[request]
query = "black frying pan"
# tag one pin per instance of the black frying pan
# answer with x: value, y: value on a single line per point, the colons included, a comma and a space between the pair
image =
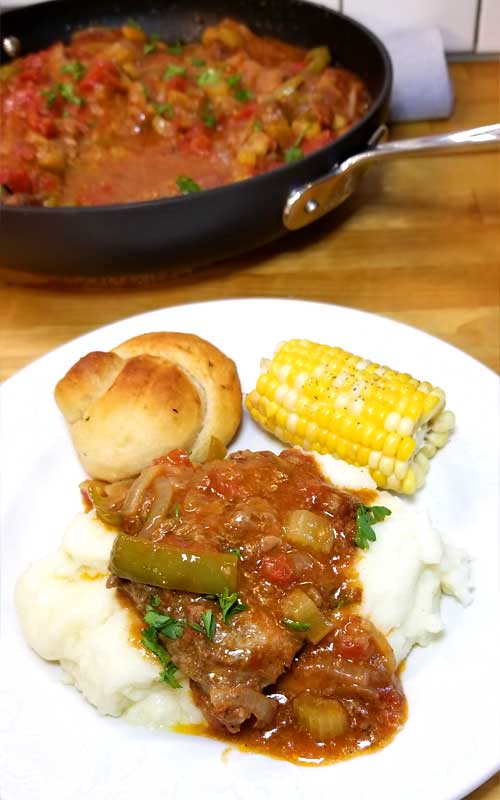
x: 195, y: 229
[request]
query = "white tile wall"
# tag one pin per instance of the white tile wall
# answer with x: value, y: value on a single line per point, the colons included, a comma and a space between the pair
x: 455, y: 18
x: 489, y: 27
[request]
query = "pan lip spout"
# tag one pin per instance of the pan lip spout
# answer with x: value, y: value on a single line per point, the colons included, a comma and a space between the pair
x: 376, y: 113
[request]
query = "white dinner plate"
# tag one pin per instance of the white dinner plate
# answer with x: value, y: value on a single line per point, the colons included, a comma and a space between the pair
x: 54, y: 746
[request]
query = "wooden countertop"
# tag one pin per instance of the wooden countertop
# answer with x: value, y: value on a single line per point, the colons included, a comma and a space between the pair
x: 420, y: 243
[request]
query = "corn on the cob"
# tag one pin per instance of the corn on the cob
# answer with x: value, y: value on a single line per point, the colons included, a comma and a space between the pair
x: 325, y: 399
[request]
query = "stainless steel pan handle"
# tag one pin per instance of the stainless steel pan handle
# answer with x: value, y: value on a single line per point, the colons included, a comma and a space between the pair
x: 313, y: 200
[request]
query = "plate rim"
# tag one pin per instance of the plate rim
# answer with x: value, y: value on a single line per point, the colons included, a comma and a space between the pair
x: 250, y: 300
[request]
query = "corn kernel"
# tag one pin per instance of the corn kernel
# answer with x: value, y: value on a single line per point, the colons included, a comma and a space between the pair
x: 437, y: 439
x: 409, y: 484
x: 406, y: 426
x: 392, y: 421
x: 379, y: 478
x: 363, y: 456
x: 281, y: 417
x: 445, y: 421
x: 400, y: 469
x: 391, y: 444
x: 386, y: 465
x: 378, y: 439
x: 393, y: 483
x: 406, y: 449
x: 428, y: 450
x: 342, y: 447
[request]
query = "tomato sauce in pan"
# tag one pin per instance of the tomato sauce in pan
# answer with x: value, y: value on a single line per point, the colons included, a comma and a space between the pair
x: 118, y: 115
x: 296, y: 672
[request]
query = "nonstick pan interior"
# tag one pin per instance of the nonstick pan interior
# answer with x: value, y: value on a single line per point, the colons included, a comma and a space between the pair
x: 221, y: 222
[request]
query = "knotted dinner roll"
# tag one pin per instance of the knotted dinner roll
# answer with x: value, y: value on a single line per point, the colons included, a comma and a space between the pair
x: 151, y: 394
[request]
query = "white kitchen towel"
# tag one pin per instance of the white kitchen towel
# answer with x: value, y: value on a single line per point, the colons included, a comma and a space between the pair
x: 422, y: 87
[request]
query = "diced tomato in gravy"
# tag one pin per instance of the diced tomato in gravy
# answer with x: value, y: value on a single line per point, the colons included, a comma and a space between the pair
x: 278, y: 569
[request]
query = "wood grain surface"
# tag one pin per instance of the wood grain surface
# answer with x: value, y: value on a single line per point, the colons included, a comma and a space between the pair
x: 419, y: 243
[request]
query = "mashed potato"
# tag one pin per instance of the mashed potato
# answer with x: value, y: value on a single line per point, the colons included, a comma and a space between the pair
x: 68, y: 615
x: 406, y: 569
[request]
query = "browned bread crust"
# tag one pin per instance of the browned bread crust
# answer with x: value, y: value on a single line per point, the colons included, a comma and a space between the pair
x: 153, y: 393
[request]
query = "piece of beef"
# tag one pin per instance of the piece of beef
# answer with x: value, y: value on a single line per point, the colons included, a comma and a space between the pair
x: 249, y: 652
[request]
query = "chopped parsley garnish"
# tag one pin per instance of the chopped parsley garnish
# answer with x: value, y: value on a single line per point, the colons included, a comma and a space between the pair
x: 74, y: 68
x: 294, y: 153
x: 209, y: 118
x: 294, y: 625
x: 64, y: 90
x: 366, y: 516
x: 230, y: 604
x: 197, y: 62
x: 236, y: 551
x: 67, y: 91
x: 243, y: 95
x: 154, y: 602
x: 131, y: 23
x: 150, y: 46
x: 164, y: 109
x: 177, y: 509
x: 187, y: 185
x: 208, y: 76
x: 207, y: 625
x: 151, y: 642
x: 173, y: 71
x: 177, y: 48
x: 234, y: 80
x: 257, y: 126
x: 167, y: 674
x: 168, y: 626
x: 51, y: 95
x: 147, y: 93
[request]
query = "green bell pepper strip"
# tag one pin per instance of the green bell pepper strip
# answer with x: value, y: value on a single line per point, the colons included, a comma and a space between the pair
x: 173, y: 567
x: 101, y: 504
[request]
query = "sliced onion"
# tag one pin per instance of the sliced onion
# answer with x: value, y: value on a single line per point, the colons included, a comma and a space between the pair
x: 297, y: 606
x: 305, y: 529
x: 324, y: 717
x: 233, y: 706
x: 117, y: 491
x: 136, y: 492
x: 345, y: 678
x: 384, y: 647
x: 163, y: 493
